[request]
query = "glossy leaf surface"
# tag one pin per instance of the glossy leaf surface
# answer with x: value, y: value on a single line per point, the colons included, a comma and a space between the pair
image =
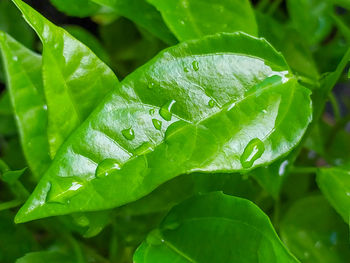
x: 335, y: 185
x: 143, y: 14
x: 194, y: 19
x: 73, y: 76
x: 23, y: 70
x: 315, y: 233
x: 224, y: 102
x: 236, y: 227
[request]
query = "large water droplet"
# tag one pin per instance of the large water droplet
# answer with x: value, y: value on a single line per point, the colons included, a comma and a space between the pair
x: 195, y: 65
x: 211, y: 103
x: 63, y: 196
x: 155, y: 238
x: 165, y: 110
x: 157, y: 124
x: 252, y: 152
x: 282, y: 168
x: 129, y: 134
x: 144, y: 149
x: 106, y: 167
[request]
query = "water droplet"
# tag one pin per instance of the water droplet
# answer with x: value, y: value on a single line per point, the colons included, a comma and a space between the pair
x: 252, y: 152
x: 155, y: 238
x: 211, y: 103
x: 282, y: 168
x: 45, y: 107
x: 106, y: 167
x: 15, y: 58
x: 334, y: 238
x: 63, y: 196
x: 151, y: 85
x: 264, y: 111
x: 195, y: 65
x: 165, y: 110
x: 186, y: 69
x: 157, y: 124
x: 152, y: 111
x: 172, y: 226
x: 129, y: 134
x: 81, y: 220
x: 144, y: 149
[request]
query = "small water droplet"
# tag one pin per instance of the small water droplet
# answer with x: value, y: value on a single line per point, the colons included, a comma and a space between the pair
x: 106, y: 167
x: 155, y: 238
x: 334, y: 238
x: 144, y: 149
x: 264, y: 111
x: 282, y: 168
x: 129, y: 134
x: 81, y: 220
x: 63, y: 196
x: 56, y: 46
x: 151, y: 85
x: 165, y: 110
x: 157, y: 124
x: 252, y: 152
x: 211, y: 103
x: 195, y: 65
x: 45, y: 107
x: 186, y: 69
x: 15, y: 58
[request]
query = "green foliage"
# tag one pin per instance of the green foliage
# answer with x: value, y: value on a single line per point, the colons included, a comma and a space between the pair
x: 217, y: 139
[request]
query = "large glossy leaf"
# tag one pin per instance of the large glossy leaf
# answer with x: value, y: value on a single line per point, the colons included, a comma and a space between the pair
x: 315, y: 233
x: 214, y: 228
x: 23, y: 70
x: 223, y: 103
x: 7, y: 121
x: 75, y: 80
x: 335, y: 185
x: 143, y: 14
x: 197, y: 18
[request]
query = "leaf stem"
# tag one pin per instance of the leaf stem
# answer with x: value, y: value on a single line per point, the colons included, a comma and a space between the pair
x: 335, y: 106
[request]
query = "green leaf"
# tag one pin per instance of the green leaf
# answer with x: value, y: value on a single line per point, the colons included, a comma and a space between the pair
x: 143, y: 14
x: 290, y: 43
x: 315, y: 233
x: 46, y: 256
x: 335, y: 185
x: 311, y: 18
x: 23, y: 70
x: 214, y: 228
x: 73, y: 76
x: 89, y: 40
x: 79, y: 8
x: 225, y: 103
x: 197, y: 18
x: 15, y: 240
x: 12, y: 23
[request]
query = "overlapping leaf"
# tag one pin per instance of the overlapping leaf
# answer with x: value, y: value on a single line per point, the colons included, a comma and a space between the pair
x: 214, y: 228
x: 197, y: 18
